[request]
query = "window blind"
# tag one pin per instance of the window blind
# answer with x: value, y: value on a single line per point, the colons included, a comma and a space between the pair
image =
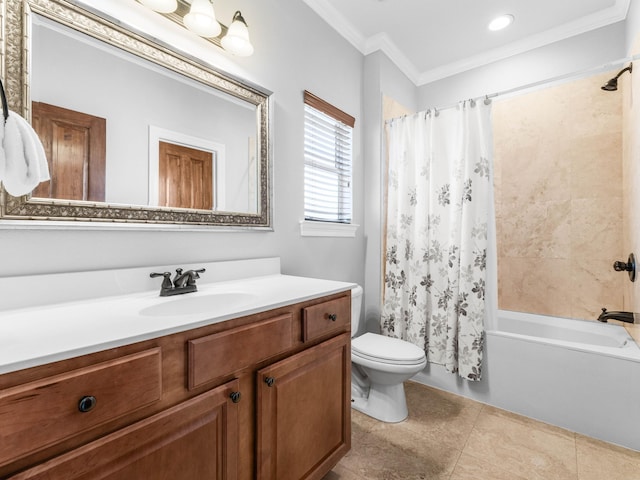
x: 327, y: 172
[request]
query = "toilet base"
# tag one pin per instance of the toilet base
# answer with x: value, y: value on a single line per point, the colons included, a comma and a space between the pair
x: 386, y: 403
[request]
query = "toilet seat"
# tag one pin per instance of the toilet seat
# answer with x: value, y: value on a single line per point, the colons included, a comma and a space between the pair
x: 392, y: 351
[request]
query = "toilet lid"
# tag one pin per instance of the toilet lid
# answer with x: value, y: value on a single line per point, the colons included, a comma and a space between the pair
x: 387, y: 349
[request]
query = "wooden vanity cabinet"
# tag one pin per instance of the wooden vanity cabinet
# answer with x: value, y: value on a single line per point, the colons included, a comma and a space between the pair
x: 303, y: 412
x: 197, y: 439
x: 195, y: 405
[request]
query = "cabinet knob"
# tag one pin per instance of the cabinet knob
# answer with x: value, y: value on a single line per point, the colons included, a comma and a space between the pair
x: 87, y: 403
x: 333, y: 317
x: 235, y: 397
x: 269, y: 381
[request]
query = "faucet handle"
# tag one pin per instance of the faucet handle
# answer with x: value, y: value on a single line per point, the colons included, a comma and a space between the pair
x: 194, y: 276
x: 166, y: 283
x: 196, y: 272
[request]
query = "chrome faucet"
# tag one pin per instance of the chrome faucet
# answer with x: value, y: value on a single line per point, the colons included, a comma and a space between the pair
x: 622, y: 316
x: 183, y: 282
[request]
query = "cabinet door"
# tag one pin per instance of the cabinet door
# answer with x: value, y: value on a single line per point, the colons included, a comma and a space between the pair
x: 304, y: 412
x: 197, y: 439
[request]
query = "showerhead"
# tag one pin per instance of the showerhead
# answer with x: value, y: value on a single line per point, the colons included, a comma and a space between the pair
x: 612, y: 85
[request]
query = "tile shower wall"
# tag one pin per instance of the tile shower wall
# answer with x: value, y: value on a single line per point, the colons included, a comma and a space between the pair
x: 559, y: 199
x: 630, y: 87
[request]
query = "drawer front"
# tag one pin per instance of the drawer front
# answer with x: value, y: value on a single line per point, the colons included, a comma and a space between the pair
x: 194, y: 440
x: 39, y: 414
x: 326, y: 317
x: 215, y: 356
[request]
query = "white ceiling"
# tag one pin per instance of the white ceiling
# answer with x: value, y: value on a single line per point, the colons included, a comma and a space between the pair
x: 430, y: 39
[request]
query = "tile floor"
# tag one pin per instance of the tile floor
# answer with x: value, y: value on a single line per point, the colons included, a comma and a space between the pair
x: 450, y: 437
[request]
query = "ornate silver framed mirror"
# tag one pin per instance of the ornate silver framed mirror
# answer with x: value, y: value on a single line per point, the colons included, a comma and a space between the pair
x: 60, y: 57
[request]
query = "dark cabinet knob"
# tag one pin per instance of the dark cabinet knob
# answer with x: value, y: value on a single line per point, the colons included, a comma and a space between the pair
x: 87, y: 403
x: 269, y: 381
x: 235, y: 397
x: 333, y: 317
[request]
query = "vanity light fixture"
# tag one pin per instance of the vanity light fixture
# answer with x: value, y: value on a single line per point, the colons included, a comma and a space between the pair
x: 501, y: 22
x: 199, y: 17
x: 236, y: 41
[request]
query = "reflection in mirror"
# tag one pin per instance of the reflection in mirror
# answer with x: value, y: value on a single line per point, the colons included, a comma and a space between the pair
x: 131, y: 139
x: 135, y: 98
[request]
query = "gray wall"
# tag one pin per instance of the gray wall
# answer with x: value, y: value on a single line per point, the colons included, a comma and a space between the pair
x: 382, y: 78
x: 574, y: 54
x: 633, y: 25
x: 294, y: 50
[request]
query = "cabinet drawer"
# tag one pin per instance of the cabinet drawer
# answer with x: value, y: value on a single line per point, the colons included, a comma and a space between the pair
x: 215, y: 356
x: 196, y: 439
x: 326, y: 317
x: 39, y: 414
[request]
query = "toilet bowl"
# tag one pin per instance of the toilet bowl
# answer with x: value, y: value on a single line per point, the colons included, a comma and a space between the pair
x: 379, y: 366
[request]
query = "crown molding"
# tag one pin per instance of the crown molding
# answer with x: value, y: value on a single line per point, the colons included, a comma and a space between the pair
x: 614, y: 14
x: 336, y: 20
x: 382, y: 42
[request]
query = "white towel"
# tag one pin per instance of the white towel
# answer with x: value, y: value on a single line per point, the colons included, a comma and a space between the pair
x: 23, y: 163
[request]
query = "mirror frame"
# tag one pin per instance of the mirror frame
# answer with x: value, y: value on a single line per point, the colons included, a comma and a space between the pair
x: 15, y: 34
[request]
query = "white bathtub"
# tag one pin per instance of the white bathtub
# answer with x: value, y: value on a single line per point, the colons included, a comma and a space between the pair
x: 577, y: 374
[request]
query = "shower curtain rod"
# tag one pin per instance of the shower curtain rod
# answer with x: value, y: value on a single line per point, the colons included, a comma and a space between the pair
x: 549, y: 81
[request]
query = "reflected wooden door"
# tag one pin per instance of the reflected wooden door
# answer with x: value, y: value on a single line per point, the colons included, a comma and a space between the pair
x: 75, y: 145
x: 185, y: 177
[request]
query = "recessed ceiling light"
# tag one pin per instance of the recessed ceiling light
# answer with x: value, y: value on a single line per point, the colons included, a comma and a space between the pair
x: 503, y: 21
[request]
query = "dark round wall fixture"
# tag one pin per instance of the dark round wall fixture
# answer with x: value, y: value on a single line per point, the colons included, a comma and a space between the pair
x: 629, y: 266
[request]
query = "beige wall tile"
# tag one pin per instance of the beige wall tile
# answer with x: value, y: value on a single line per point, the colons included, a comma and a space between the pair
x: 595, y: 285
x: 630, y: 92
x: 596, y: 228
x: 559, y: 198
x: 596, y: 169
x: 535, y: 285
x: 535, y: 230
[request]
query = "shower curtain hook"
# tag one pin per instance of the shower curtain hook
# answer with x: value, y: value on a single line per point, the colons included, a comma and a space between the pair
x: 487, y: 100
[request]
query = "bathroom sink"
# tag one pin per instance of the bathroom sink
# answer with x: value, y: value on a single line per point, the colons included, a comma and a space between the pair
x: 197, y: 304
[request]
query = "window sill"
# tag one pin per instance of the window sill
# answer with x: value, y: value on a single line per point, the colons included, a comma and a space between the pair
x: 309, y: 228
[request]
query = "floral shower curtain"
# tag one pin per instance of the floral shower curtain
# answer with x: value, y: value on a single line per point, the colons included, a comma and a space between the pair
x: 440, y: 218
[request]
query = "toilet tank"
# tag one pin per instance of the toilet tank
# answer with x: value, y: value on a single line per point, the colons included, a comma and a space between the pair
x: 356, y: 304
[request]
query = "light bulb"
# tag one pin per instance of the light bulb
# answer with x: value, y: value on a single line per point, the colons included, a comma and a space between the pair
x: 201, y: 19
x: 236, y: 41
x: 161, y: 6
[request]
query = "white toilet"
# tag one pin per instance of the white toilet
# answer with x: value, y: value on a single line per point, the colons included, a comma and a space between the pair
x: 379, y: 366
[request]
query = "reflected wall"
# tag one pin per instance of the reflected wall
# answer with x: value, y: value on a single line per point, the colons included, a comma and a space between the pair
x: 76, y: 72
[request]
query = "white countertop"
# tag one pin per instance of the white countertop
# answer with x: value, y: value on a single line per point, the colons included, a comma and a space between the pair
x: 47, y: 333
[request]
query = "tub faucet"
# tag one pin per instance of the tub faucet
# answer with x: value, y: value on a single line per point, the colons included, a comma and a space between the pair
x: 622, y: 316
x: 183, y: 282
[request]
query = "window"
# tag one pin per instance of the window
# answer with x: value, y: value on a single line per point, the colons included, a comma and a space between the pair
x: 328, y: 134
